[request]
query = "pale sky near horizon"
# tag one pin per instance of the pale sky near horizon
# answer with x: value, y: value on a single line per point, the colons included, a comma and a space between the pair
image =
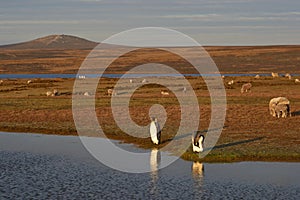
x: 210, y: 22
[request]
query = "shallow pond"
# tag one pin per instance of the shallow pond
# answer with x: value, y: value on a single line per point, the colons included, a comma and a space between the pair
x: 35, y: 166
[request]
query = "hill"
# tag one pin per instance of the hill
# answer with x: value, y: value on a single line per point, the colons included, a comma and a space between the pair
x: 65, y: 54
x: 63, y: 42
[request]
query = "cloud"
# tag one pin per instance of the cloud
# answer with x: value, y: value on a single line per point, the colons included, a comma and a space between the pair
x: 35, y: 22
x: 206, y: 17
x: 87, y: 1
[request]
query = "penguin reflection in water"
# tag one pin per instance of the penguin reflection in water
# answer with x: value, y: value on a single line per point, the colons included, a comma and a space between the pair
x: 155, y: 131
x: 197, y: 142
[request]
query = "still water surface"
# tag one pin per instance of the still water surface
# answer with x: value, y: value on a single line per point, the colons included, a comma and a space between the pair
x: 37, y: 166
x: 27, y: 76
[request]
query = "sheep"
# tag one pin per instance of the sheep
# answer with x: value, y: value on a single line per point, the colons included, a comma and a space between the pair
x: 55, y: 93
x: 164, y: 92
x: 48, y: 93
x: 274, y: 75
x: 223, y: 77
x: 184, y: 89
x: 246, y: 87
x: 144, y: 81
x: 29, y: 81
x: 287, y: 75
x: 111, y: 92
x: 297, y: 80
x: 257, y: 76
x: 230, y: 82
x: 279, y: 101
x: 130, y: 81
x: 1, y: 81
x: 281, y: 110
x: 87, y: 94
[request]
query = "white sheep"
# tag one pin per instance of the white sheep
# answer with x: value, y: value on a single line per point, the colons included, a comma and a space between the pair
x: 231, y: 82
x: 164, y: 92
x: 246, y: 87
x: 287, y: 75
x: 274, y: 75
x: 279, y: 101
x: 281, y: 110
x: 111, y: 92
x: 87, y: 94
x: 49, y: 93
x: 55, y: 93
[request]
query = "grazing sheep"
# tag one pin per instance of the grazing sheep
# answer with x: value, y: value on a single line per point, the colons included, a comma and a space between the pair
x: 184, y: 89
x: 274, y: 75
x: 87, y: 94
x: 257, y: 76
x: 223, y: 77
x: 1, y: 81
x: 246, y: 87
x: 55, y: 93
x: 230, y: 82
x: 164, y: 92
x: 130, y: 81
x: 29, y: 81
x: 279, y: 101
x: 144, y: 81
x: 49, y: 93
x: 111, y: 92
x: 297, y: 80
x: 281, y: 110
x: 287, y: 75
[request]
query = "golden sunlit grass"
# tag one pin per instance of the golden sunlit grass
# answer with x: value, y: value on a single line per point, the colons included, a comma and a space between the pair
x: 249, y: 133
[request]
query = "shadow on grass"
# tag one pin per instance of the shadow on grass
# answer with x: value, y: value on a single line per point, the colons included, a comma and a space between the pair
x: 296, y: 113
x: 191, y: 135
x: 234, y: 143
x: 120, y: 93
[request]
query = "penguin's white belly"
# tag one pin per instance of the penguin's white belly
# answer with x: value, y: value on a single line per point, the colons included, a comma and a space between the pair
x: 197, y: 149
x: 153, y: 133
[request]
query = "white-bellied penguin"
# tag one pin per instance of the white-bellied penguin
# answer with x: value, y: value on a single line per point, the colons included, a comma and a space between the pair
x: 197, y: 142
x: 155, y: 131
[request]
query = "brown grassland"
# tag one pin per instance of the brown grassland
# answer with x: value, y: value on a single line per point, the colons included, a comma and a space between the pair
x: 250, y: 133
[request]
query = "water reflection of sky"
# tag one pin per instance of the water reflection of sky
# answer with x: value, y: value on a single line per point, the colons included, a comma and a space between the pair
x: 35, y: 165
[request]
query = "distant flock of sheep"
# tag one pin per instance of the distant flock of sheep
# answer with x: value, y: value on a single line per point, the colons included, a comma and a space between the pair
x: 279, y: 106
x: 247, y: 86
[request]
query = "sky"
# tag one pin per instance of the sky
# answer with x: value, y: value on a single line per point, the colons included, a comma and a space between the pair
x: 209, y: 22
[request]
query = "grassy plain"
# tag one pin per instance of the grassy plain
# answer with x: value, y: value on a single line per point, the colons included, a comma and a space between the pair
x: 250, y: 133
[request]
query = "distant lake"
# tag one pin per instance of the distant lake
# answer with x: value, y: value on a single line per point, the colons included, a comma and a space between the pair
x: 31, y: 76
